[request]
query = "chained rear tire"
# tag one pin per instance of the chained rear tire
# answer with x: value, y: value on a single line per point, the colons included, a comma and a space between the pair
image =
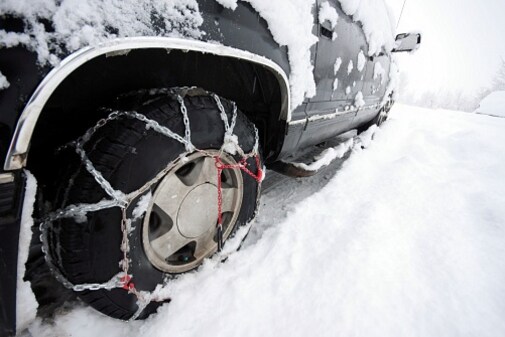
x: 128, y: 155
x: 380, y: 118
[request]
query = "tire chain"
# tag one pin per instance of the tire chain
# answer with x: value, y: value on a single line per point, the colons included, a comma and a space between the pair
x: 123, y: 200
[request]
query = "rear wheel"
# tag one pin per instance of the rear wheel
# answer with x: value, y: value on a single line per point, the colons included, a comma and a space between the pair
x: 172, y: 224
x: 380, y: 118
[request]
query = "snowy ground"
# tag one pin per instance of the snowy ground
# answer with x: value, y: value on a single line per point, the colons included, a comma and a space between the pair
x: 403, y: 238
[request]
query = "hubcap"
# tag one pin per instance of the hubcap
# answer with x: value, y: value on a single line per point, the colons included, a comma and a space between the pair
x: 179, y: 229
x: 197, y: 211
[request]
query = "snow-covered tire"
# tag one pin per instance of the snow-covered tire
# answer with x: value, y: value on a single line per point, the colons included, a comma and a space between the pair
x: 128, y: 155
x: 50, y: 294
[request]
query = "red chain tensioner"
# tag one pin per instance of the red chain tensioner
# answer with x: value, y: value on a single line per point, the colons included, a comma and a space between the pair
x: 242, y: 165
x: 127, y: 284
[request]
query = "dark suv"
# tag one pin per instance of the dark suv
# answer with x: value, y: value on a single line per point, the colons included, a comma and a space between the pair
x: 149, y: 144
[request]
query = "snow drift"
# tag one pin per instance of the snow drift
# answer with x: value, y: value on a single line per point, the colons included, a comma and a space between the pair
x: 493, y: 104
x: 405, y: 240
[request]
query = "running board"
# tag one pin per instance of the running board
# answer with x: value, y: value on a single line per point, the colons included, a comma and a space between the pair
x: 325, y: 158
x: 290, y: 169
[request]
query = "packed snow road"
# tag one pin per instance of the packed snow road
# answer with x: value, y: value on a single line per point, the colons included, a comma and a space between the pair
x: 405, y: 238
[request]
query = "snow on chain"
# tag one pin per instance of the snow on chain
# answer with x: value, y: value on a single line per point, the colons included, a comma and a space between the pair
x: 120, y: 199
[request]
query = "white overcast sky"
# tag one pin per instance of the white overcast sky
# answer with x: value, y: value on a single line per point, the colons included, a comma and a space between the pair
x: 463, y: 41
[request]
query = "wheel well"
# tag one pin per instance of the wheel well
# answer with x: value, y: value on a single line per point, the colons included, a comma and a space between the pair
x: 74, y: 105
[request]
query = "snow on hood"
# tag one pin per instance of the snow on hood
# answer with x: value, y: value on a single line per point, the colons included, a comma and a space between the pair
x: 493, y: 104
x: 80, y: 23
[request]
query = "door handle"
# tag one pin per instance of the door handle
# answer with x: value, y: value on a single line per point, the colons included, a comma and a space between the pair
x: 328, y: 33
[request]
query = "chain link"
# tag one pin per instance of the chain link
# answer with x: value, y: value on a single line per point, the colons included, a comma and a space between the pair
x: 152, y: 124
x: 187, y: 127
x: 233, y: 118
x: 223, y: 115
x: 122, y: 200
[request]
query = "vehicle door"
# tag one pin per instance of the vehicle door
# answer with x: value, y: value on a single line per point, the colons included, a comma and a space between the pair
x: 339, y: 70
x: 376, y: 78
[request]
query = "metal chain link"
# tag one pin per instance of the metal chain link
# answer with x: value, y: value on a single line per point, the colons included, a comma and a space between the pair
x: 223, y: 115
x: 233, y: 118
x: 230, y: 128
x: 187, y: 127
x: 152, y: 124
x: 122, y: 200
x: 107, y: 187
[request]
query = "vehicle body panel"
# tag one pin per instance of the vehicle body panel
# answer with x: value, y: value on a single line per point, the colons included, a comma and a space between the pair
x: 345, y: 46
x: 11, y: 199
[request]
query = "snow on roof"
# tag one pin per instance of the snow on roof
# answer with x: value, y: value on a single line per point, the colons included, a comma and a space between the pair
x: 493, y: 104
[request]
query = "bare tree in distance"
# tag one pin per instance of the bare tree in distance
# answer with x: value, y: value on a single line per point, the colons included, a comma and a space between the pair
x: 497, y: 84
x: 446, y: 98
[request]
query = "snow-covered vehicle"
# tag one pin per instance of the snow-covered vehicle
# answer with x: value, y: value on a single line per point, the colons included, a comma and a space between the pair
x: 147, y: 128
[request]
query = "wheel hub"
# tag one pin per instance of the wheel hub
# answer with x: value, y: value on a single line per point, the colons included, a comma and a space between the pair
x: 180, y: 226
x: 198, y: 211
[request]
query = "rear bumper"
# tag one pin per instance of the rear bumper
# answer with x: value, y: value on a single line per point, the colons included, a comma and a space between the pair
x: 11, y: 201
